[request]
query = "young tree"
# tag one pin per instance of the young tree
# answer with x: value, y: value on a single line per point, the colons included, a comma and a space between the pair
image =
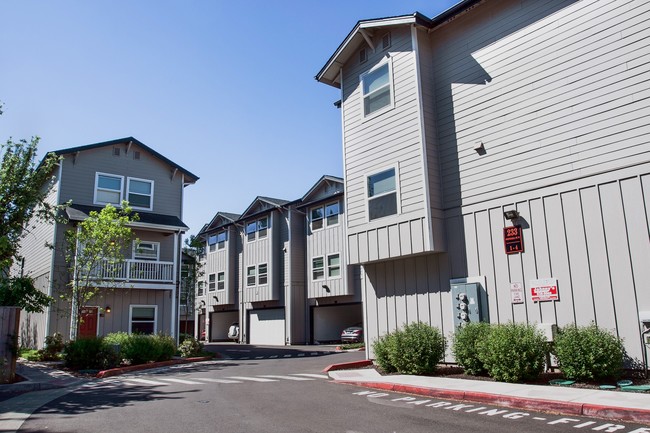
x: 191, y: 273
x: 95, y: 257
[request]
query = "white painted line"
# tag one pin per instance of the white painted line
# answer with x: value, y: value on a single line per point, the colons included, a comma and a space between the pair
x: 315, y: 376
x: 301, y: 354
x: 252, y: 379
x: 143, y: 381
x: 243, y: 358
x: 272, y: 376
x: 314, y: 353
x: 186, y: 382
x: 259, y: 357
x: 287, y: 356
x: 209, y: 379
x: 273, y: 356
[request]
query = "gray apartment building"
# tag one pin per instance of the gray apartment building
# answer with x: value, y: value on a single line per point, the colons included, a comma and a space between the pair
x: 497, y: 165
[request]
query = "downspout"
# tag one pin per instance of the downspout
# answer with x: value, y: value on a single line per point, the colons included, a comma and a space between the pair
x: 50, y: 289
x: 174, y: 314
x: 288, y: 295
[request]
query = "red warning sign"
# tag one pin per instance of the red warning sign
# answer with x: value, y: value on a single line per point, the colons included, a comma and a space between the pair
x: 544, y: 290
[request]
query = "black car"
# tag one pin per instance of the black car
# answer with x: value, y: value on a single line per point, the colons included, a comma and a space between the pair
x: 353, y: 334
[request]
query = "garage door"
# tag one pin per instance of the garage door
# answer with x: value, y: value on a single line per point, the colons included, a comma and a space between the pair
x: 266, y: 327
x: 329, y: 321
x: 219, y: 324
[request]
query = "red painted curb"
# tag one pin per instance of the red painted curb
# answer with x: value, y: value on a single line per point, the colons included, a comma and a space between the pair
x: 559, y: 407
x: 122, y: 370
x: 347, y: 365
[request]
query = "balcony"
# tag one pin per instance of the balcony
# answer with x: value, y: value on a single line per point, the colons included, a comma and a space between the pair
x: 136, y: 270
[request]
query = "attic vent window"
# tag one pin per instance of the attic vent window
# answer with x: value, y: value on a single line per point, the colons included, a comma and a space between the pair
x: 116, y: 151
x: 385, y: 41
x: 363, y: 55
x: 136, y: 154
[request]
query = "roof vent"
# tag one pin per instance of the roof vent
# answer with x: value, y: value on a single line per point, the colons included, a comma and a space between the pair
x: 363, y: 55
x: 136, y: 154
x: 116, y: 151
x: 385, y: 41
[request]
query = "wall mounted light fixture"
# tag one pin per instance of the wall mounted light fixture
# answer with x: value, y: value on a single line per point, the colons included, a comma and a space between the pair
x: 107, y: 309
x: 511, y: 214
x: 327, y: 289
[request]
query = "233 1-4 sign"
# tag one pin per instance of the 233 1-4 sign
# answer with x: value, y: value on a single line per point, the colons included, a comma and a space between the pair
x: 513, y: 239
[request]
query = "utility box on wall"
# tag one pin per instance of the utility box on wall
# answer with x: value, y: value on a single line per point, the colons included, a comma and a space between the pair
x: 468, y: 303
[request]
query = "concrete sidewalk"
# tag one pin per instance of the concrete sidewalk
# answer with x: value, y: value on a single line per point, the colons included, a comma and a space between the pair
x: 615, y: 405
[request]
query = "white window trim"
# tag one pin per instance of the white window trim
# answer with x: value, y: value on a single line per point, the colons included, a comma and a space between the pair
x: 97, y: 174
x: 311, y: 220
x: 136, y: 245
x: 224, y: 281
x: 327, y: 266
x: 391, y: 105
x: 266, y: 274
x: 397, y: 192
x: 257, y: 229
x: 155, y: 316
x: 254, y: 275
x: 325, y: 213
x: 254, y: 232
x: 128, y: 189
x: 323, y: 268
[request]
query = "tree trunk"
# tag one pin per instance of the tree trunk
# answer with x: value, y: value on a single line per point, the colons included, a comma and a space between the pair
x: 9, y: 326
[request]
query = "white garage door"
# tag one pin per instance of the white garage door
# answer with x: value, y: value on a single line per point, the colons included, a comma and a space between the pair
x: 329, y: 321
x: 219, y: 324
x: 266, y: 327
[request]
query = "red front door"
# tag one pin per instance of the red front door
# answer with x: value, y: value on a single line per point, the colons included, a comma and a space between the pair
x: 88, y: 322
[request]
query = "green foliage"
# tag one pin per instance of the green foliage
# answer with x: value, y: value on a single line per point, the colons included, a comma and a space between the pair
x: 30, y: 354
x: 589, y: 353
x: 54, y: 344
x: 350, y: 346
x: 190, y: 347
x: 90, y: 354
x: 21, y: 292
x: 465, y: 346
x: 95, y: 253
x: 117, y: 338
x: 513, y: 352
x: 140, y: 349
x: 383, y: 347
x: 417, y: 349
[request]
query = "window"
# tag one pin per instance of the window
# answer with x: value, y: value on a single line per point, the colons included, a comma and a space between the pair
x: 317, y: 218
x: 332, y: 213
x: 221, y: 240
x: 116, y: 151
x: 145, y: 250
x: 221, y: 281
x: 382, y: 195
x: 199, y: 288
x: 377, y: 89
x: 385, y: 41
x: 212, y: 243
x: 317, y: 271
x: 143, y: 319
x: 250, y: 231
x: 140, y: 193
x: 333, y: 265
x: 250, y: 276
x: 212, y: 282
x: 262, y: 274
x: 108, y: 189
x: 262, y: 227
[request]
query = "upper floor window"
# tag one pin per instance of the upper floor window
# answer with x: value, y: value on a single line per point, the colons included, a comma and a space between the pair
x: 108, y: 189
x: 212, y: 243
x: 317, y: 268
x: 334, y: 265
x: 140, y: 193
x: 199, y: 288
x: 332, y: 213
x: 376, y: 86
x: 212, y: 282
x: 262, y: 227
x: 221, y: 240
x: 262, y: 274
x: 221, y: 281
x: 257, y: 229
x: 251, y: 230
x: 317, y: 218
x: 328, y: 214
x: 250, y: 276
x: 382, y: 194
x: 145, y: 250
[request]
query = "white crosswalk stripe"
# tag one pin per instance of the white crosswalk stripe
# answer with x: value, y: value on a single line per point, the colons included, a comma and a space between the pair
x: 209, y: 379
x: 252, y: 379
x: 183, y: 381
x: 143, y: 381
x: 315, y: 376
x: 272, y: 376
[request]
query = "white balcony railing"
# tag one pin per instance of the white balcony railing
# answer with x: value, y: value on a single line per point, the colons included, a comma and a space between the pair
x: 136, y: 270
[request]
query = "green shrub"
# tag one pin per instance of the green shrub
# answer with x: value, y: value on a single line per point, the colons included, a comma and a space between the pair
x: 140, y: 349
x: 513, y: 352
x: 465, y: 346
x: 89, y: 354
x: 589, y: 353
x: 383, y: 347
x: 30, y: 354
x: 117, y: 338
x: 190, y: 347
x: 53, y: 346
x: 183, y: 336
x: 417, y: 349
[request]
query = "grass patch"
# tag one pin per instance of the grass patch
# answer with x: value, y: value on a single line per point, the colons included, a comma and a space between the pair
x: 30, y: 354
x: 350, y: 346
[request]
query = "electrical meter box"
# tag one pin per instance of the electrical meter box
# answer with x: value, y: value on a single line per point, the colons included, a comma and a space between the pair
x: 469, y: 303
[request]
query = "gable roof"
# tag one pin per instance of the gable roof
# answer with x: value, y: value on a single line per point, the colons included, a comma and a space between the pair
x: 189, y: 176
x: 307, y: 198
x: 274, y: 202
x: 228, y: 218
x: 362, y: 32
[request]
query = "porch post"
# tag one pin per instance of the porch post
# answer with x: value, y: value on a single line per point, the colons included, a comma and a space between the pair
x: 172, y: 331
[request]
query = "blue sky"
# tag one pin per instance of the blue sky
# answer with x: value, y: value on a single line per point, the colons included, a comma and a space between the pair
x: 226, y: 89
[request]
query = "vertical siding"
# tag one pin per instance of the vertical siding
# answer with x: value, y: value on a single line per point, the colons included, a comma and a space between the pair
x: 261, y: 251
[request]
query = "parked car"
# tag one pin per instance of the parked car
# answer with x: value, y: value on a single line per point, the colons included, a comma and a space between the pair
x: 353, y: 334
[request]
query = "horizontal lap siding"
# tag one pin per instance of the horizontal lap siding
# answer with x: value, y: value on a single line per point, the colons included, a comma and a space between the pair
x: 567, y: 95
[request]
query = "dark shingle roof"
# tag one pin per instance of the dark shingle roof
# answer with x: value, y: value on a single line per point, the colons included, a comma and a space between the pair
x: 79, y: 212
